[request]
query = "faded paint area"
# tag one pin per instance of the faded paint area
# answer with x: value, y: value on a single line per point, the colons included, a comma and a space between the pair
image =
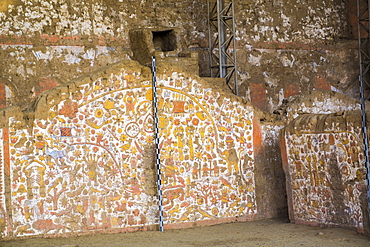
x: 291, y: 21
x: 284, y: 48
x: 318, y: 102
x: 325, y: 170
x: 90, y: 21
x: 87, y: 163
x: 273, y: 75
x: 46, y: 15
x: 29, y: 70
x: 290, y: 47
x: 48, y: 43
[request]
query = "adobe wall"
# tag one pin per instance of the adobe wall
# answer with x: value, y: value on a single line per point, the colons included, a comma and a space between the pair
x: 82, y: 158
x: 323, y: 159
x: 284, y: 47
x: 290, y: 47
x: 269, y: 176
x: 44, y: 43
x: 318, y: 102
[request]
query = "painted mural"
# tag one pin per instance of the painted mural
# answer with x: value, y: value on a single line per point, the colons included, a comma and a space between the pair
x: 207, y: 152
x: 327, y: 176
x: 90, y: 165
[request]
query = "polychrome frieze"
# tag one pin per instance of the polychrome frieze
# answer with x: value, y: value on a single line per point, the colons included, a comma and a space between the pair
x: 90, y: 165
x: 327, y: 177
x: 206, y: 152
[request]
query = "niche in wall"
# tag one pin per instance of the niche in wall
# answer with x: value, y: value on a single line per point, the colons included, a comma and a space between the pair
x: 164, y: 40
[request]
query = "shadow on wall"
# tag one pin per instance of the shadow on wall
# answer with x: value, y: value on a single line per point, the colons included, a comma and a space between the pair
x: 146, y: 42
x: 164, y: 41
x: 165, y: 45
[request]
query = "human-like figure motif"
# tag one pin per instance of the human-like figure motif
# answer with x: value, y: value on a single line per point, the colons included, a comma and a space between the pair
x: 40, y: 145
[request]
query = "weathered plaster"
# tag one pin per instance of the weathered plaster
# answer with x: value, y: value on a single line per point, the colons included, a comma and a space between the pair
x: 291, y: 21
x: 284, y: 52
x: 318, y: 102
x: 48, y: 43
x: 290, y: 47
x: 28, y: 70
x: 281, y: 73
x: 96, y: 21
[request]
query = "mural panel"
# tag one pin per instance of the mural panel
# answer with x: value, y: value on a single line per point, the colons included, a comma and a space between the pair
x: 90, y: 164
x: 83, y: 168
x: 206, y: 152
x: 327, y: 177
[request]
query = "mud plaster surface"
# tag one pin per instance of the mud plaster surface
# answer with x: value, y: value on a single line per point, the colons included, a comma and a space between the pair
x: 260, y: 233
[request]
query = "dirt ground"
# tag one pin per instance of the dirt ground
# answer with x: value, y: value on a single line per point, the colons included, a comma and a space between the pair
x: 260, y: 233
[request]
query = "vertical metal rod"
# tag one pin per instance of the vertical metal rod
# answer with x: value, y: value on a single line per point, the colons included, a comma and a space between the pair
x: 222, y: 38
x: 236, y: 91
x: 210, y: 46
x: 362, y: 94
x: 364, y: 116
x: 157, y: 150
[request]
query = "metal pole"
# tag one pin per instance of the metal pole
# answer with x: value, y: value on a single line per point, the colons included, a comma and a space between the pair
x: 236, y: 91
x: 158, y: 161
x: 210, y: 40
x: 362, y: 59
x: 222, y: 38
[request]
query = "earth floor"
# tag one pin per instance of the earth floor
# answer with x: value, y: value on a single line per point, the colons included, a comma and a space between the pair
x: 259, y: 233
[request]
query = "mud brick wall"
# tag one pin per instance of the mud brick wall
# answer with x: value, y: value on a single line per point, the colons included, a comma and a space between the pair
x: 45, y: 43
x: 289, y: 47
x: 284, y: 47
x: 82, y: 161
x: 326, y: 177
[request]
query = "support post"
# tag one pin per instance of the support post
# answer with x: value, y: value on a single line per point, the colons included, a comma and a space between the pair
x: 222, y: 43
x: 364, y: 62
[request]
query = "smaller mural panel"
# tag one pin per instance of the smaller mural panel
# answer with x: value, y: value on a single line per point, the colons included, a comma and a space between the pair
x: 327, y: 177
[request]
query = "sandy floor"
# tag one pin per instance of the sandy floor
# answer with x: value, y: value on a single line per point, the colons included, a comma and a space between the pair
x: 260, y: 233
